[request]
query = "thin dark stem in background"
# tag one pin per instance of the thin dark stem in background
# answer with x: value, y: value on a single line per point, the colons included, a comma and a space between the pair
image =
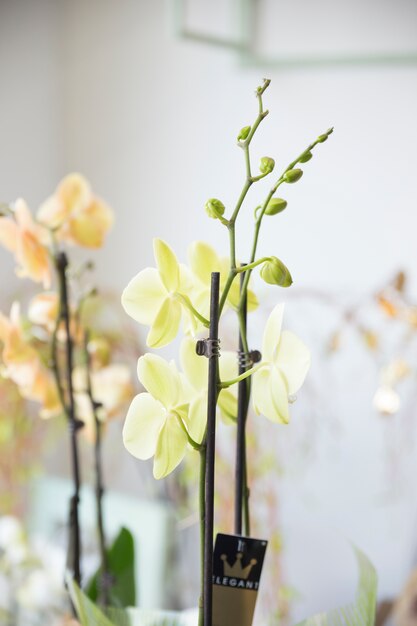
x: 105, y: 581
x: 213, y: 370
x: 68, y: 405
x: 242, y: 409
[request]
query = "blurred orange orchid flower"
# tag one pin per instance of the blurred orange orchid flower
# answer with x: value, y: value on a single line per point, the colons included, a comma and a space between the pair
x: 26, y: 240
x: 24, y: 367
x: 76, y: 215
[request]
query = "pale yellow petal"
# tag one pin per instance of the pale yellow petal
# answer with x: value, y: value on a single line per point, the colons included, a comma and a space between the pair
x: 171, y: 448
x: 293, y: 360
x: 166, y: 324
x: 197, y: 417
x: 203, y: 260
x: 167, y: 264
x: 186, y: 280
x: 227, y: 404
x: 270, y: 395
x: 160, y: 379
x: 194, y: 367
x: 143, y: 424
x: 228, y: 365
x: 279, y: 395
x: 272, y: 333
x: 253, y: 301
x: 144, y: 296
x: 233, y: 296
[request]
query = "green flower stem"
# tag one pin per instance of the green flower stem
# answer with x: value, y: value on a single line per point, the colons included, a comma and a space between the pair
x: 228, y: 383
x: 191, y: 441
x: 185, y: 300
x: 258, y: 221
x: 105, y: 581
x: 251, y: 266
x: 248, y: 182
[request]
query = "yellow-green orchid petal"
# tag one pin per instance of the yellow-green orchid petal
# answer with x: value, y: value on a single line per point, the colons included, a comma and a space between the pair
x: 165, y: 325
x: 170, y: 449
x: 272, y: 333
x: 167, y: 265
x: 144, y: 295
x: 279, y: 395
x: 194, y: 367
x: 197, y: 417
x: 252, y: 300
x: 292, y: 358
x: 234, y: 293
x: 261, y: 394
x: 160, y: 379
x: 185, y: 279
x: 233, y: 297
x: 228, y: 365
x: 227, y: 404
x: 203, y: 260
x: 144, y: 421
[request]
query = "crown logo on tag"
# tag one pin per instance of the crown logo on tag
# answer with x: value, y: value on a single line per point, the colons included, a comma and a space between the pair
x: 237, y: 570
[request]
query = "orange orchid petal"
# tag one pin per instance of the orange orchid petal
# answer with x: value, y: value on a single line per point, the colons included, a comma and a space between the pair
x: 89, y: 227
x: 33, y: 259
x: 8, y: 234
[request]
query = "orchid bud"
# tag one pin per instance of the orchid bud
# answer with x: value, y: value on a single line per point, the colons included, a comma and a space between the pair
x: 325, y: 136
x: 275, y: 205
x: 266, y: 165
x: 306, y: 156
x: 214, y: 208
x: 293, y: 175
x: 274, y: 272
x: 244, y: 132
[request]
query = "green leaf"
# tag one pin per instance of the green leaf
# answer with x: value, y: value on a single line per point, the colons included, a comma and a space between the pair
x: 362, y: 611
x: 121, y: 562
x: 87, y: 612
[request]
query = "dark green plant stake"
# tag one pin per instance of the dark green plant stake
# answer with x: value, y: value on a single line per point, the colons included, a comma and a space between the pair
x: 241, y: 466
x: 212, y: 352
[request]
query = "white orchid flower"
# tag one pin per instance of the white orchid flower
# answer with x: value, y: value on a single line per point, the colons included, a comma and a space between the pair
x: 195, y: 368
x: 157, y: 297
x: 157, y: 421
x: 285, y: 363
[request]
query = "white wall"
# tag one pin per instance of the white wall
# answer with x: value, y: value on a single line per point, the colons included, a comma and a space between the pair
x: 31, y: 115
x: 104, y: 88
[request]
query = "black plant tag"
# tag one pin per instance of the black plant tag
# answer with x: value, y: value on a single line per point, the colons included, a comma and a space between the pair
x: 237, y: 567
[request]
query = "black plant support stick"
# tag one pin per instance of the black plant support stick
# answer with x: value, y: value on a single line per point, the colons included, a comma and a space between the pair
x: 105, y: 580
x: 242, y: 408
x: 74, y: 544
x: 213, y: 355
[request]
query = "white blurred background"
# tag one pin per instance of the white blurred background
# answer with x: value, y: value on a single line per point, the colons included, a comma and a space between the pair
x: 110, y: 88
